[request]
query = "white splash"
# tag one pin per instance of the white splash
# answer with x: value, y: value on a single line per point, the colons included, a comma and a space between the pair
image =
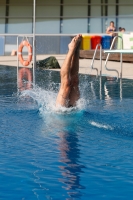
x: 46, y: 101
x: 101, y: 125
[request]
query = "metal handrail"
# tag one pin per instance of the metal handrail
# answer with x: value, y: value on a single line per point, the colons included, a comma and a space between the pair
x: 120, y: 58
x: 92, y: 62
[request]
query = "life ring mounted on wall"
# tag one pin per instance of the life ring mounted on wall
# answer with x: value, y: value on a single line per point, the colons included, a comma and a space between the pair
x: 20, y: 49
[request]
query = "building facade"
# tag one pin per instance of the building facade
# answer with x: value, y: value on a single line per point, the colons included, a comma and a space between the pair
x: 64, y: 16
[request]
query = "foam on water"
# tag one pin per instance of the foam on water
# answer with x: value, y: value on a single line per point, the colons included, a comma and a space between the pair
x: 99, y: 125
x: 46, y: 99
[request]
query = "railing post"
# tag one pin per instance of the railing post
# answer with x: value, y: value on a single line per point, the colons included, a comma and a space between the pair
x: 109, y: 55
x: 92, y: 62
x: 34, y: 41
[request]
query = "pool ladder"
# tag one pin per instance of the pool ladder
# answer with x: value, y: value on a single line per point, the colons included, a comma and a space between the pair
x: 105, y: 65
x: 120, y: 57
x: 92, y: 62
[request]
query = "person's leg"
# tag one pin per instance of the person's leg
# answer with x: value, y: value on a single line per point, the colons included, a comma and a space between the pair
x: 65, y: 88
x: 74, y: 93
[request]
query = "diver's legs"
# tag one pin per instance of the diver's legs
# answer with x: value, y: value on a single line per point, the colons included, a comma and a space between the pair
x: 75, y: 94
x: 65, y: 88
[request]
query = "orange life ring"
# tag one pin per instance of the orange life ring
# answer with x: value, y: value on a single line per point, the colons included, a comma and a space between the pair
x: 24, y: 73
x: 20, y: 48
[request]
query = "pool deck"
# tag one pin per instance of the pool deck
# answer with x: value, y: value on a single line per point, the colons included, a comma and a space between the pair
x: 83, y: 63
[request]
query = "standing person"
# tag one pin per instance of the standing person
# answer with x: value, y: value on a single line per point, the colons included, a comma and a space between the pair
x: 69, y: 90
x: 111, y: 29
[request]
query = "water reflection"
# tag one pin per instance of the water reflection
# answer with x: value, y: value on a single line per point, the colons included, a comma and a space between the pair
x: 100, y: 87
x: 113, y: 89
x: 121, y: 89
x: 24, y: 78
x: 70, y: 164
x: 107, y: 96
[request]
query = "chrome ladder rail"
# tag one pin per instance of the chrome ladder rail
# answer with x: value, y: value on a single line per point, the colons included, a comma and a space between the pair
x: 92, y: 62
x: 120, y: 58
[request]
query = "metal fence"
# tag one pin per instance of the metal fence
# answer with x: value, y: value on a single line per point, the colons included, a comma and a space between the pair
x: 44, y: 44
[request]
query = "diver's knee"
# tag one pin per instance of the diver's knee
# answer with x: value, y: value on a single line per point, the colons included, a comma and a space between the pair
x: 67, y: 84
x: 63, y: 73
x: 75, y: 81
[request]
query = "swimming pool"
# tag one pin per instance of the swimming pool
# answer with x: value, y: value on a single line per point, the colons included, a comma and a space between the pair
x: 85, y: 153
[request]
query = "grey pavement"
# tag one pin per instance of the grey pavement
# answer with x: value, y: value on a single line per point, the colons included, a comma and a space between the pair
x: 83, y: 63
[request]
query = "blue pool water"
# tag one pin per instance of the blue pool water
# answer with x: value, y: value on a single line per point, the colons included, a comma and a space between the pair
x: 83, y: 153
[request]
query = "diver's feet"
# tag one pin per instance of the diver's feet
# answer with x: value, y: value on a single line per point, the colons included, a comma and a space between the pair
x: 79, y: 44
x: 75, y: 43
